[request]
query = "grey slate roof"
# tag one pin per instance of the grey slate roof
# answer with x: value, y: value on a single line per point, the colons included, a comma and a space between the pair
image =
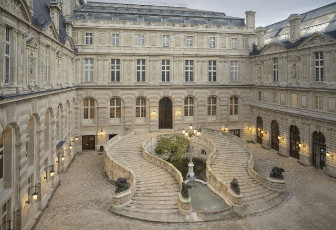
x: 42, y: 18
x: 150, y: 13
x: 321, y: 20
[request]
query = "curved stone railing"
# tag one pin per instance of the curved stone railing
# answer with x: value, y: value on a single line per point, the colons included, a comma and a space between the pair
x: 217, y: 183
x: 273, y: 184
x: 114, y: 171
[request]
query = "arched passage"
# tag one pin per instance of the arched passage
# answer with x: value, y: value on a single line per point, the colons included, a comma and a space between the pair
x: 275, y: 135
x: 165, y: 113
x: 259, y: 130
x: 319, y: 150
x: 294, y: 141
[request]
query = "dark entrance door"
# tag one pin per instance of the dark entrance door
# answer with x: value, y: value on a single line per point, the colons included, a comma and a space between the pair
x: 274, y: 135
x: 89, y: 142
x: 319, y: 150
x: 259, y: 130
x: 294, y: 141
x: 165, y: 113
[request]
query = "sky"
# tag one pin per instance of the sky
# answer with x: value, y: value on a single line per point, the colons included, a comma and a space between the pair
x: 267, y: 11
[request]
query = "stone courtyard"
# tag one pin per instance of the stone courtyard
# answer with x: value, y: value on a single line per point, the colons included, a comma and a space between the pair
x: 84, y: 198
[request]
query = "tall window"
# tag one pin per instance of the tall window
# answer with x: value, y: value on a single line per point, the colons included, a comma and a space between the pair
x: 259, y: 95
x: 233, y: 105
x: 294, y: 100
x: 141, y: 69
x: 7, y: 56
x: 1, y: 159
x: 318, y: 103
x: 141, y: 40
x: 234, y: 71
x: 88, y: 39
x: 165, y: 70
x: 212, y: 70
x: 189, y: 41
x: 234, y: 43
x: 115, y: 69
x: 319, y: 73
x: 115, y: 108
x: 212, y: 103
x: 47, y: 65
x: 189, y: 70
x: 212, y: 42
x: 88, y: 69
x: 89, y: 112
x: 275, y: 69
x: 140, y: 107
x: 165, y: 40
x: 189, y: 107
x: 115, y: 39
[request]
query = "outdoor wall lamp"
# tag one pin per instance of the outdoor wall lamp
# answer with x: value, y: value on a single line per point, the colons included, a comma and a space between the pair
x: 76, y: 138
x: 153, y: 113
x: 178, y: 113
x: 190, y: 126
x: 70, y: 146
x: 5, y: 222
x: 62, y: 158
x: 101, y: 131
x: 34, y: 195
x: 51, y: 172
x: 249, y: 127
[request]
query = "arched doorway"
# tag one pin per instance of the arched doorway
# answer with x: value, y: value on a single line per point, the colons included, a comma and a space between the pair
x: 165, y: 113
x: 294, y: 141
x: 274, y: 135
x: 319, y: 150
x: 259, y: 130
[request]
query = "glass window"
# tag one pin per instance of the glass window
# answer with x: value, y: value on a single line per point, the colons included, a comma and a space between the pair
x: 212, y: 42
x: 115, y: 108
x: 189, y: 41
x: 88, y: 69
x: 89, y: 112
x: 189, y: 70
x: 234, y: 105
x: 141, y: 40
x: 165, y: 40
x: 212, y: 70
x: 234, y: 43
x: 234, y: 71
x: 115, y: 39
x: 47, y: 65
x: 7, y: 55
x: 141, y: 69
x: 275, y: 70
x: 319, y: 70
x: 165, y: 70
x: 88, y: 39
x: 212, y: 105
x: 115, y: 69
x: 189, y: 107
x: 140, y: 107
x: 318, y: 103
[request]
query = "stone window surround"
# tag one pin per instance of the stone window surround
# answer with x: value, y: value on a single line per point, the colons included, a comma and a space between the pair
x: 234, y: 71
x: 212, y: 70
x: 275, y: 70
x: 189, y: 70
x: 7, y: 56
x: 115, y: 70
x: 165, y: 71
x: 88, y: 38
x: 88, y: 70
x: 189, y: 103
x: 319, y: 66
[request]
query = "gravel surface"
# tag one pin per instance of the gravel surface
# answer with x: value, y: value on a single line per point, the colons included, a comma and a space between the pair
x: 83, y: 200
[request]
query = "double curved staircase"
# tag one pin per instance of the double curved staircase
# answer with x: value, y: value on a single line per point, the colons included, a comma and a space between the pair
x: 157, y: 190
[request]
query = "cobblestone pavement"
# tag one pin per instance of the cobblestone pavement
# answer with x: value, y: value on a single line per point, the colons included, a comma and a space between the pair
x: 83, y: 199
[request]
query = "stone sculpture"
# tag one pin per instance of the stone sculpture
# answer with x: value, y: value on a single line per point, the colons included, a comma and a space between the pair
x: 122, y: 185
x: 235, y: 186
x: 277, y: 173
x: 184, y: 191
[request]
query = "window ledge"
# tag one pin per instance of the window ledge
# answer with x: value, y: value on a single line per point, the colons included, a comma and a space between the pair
x: 189, y: 83
x: 89, y: 83
x: 141, y: 83
x: 165, y: 83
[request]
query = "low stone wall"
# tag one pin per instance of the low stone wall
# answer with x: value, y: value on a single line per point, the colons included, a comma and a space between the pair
x: 273, y: 184
x: 114, y: 171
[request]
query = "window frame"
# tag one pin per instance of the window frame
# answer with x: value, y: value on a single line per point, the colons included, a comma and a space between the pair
x: 115, y: 108
x: 140, y: 107
x: 234, y: 43
x: 7, y: 56
x: 189, y: 70
x: 189, y: 103
x: 165, y: 40
x: 318, y: 102
x: 88, y: 70
x: 115, y: 70
x: 47, y: 65
x: 212, y: 106
x: 165, y: 71
x: 234, y: 106
x: 212, y: 42
x: 275, y: 69
x: 141, y: 70
x: 90, y: 108
x: 115, y: 39
x: 189, y: 41
x: 295, y: 100
x: 89, y: 38
x: 141, y: 40
x: 234, y: 71
x: 319, y: 66
x: 212, y: 70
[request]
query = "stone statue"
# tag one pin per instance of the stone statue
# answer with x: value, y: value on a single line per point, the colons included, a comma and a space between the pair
x: 122, y: 185
x: 235, y: 186
x: 277, y: 173
x: 184, y: 191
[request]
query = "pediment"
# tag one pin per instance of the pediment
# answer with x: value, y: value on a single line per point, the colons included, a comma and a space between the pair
x: 51, y: 32
x: 317, y: 40
x: 273, y: 48
x: 19, y: 8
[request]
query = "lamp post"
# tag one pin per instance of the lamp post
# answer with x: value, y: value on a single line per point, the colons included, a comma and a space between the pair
x: 190, y: 134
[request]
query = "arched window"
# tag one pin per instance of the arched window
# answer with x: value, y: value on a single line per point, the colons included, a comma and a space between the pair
x: 6, y: 154
x: 189, y: 106
x: 140, y: 107
x: 212, y: 105
x: 115, y: 108
x: 47, y: 132
x: 89, y: 112
x: 234, y: 105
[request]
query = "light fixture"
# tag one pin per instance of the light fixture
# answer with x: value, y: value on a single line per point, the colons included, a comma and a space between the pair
x: 328, y: 154
x: 70, y: 147
x: 190, y: 126
x: 300, y: 145
x: 52, y: 171
x: 248, y: 127
x: 198, y: 133
x: 195, y: 131
x: 178, y: 113
x: 76, y: 138
x: 279, y: 137
x: 153, y: 113
x: 183, y: 131
x: 262, y: 131
x: 63, y: 158
x: 186, y: 134
x: 101, y: 131
x: 34, y: 195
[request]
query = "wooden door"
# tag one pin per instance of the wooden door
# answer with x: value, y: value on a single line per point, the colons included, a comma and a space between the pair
x: 259, y: 130
x: 89, y: 142
x: 165, y: 113
x: 274, y: 135
x: 294, y: 142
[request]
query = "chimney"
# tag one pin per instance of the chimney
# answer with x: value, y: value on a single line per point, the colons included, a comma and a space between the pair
x: 54, y: 13
x: 250, y: 19
x: 260, y: 37
x: 294, y: 27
